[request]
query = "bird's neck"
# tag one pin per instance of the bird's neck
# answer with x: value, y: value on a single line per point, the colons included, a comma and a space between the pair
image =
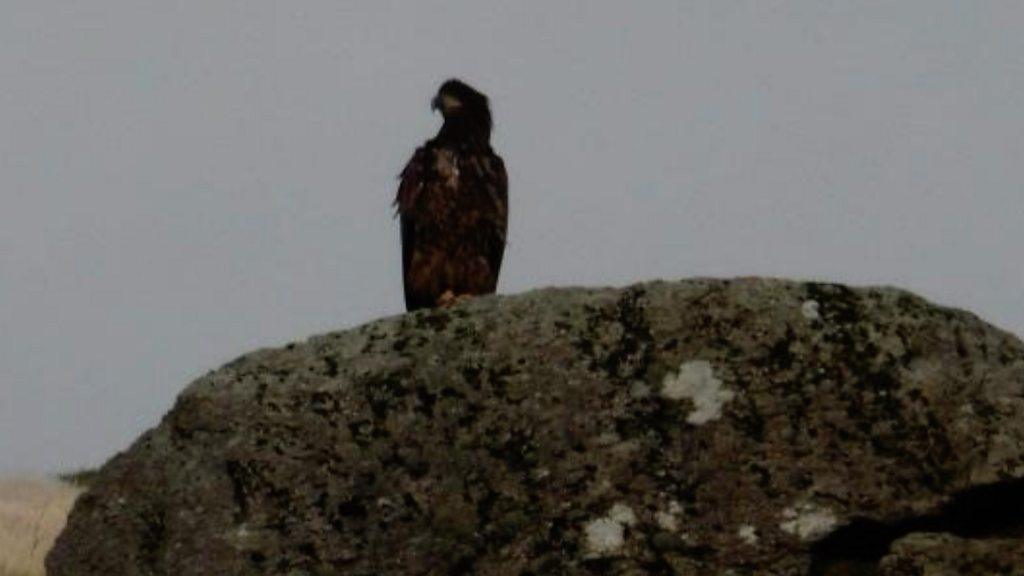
x: 465, y: 131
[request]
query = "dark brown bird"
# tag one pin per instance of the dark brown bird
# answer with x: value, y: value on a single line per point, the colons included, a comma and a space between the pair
x: 453, y: 205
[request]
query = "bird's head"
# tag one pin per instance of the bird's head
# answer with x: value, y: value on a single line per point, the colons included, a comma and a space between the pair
x: 467, y: 116
x: 456, y: 98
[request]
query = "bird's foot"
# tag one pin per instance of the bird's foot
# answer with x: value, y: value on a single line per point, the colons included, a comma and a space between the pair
x: 449, y: 299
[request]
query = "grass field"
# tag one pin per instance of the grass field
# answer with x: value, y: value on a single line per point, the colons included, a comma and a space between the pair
x: 32, y: 512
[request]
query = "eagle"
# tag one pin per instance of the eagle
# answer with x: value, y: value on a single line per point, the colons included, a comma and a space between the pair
x: 453, y: 205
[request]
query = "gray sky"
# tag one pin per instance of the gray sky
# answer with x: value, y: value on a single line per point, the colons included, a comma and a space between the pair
x: 185, y: 181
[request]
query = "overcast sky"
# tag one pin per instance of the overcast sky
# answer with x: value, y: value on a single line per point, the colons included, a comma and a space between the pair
x: 185, y: 181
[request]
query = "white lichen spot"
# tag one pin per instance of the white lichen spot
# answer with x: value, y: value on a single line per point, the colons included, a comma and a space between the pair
x: 666, y: 521
x: 696, y: 381
x: 808, y: 521
x: 606, y: 536
x: 810, y: 310
x: 622, y: 514
x: 748, y: 534
x: 639, y: 389
x: 608, y: 438
x: 625, y: 448
x: 669, y: 519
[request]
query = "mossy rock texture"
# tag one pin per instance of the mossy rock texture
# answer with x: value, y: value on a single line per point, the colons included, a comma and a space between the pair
x: 749, y: 426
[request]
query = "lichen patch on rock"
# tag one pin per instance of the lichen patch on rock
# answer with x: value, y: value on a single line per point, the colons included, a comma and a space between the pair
x: 606, y: 536
x: 668, y: 519
x: 808, y: 521
x: 748, y: 534
x: 810, y: 310
x: 622, y: 514
x: 696, y: 381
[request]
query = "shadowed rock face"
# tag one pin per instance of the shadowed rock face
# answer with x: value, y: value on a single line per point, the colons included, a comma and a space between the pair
x: 693, y: 427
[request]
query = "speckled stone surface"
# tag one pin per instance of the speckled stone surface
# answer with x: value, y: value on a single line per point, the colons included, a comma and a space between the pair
x: 929, y: 554
x: 693, y: 427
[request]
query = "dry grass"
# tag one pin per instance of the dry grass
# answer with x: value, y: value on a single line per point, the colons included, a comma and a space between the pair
x: 32, y: 512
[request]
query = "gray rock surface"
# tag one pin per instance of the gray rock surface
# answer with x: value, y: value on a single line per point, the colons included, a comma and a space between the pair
x: 946, y: 555
x: 749, y: 426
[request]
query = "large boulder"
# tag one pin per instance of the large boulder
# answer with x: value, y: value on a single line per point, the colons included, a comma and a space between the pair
x: 696, y: 427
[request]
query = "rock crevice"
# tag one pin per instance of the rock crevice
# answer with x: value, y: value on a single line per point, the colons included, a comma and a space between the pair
x: 989, y: 517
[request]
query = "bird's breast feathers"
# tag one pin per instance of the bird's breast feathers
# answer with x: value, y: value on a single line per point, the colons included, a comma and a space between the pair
x: 446, y: 166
